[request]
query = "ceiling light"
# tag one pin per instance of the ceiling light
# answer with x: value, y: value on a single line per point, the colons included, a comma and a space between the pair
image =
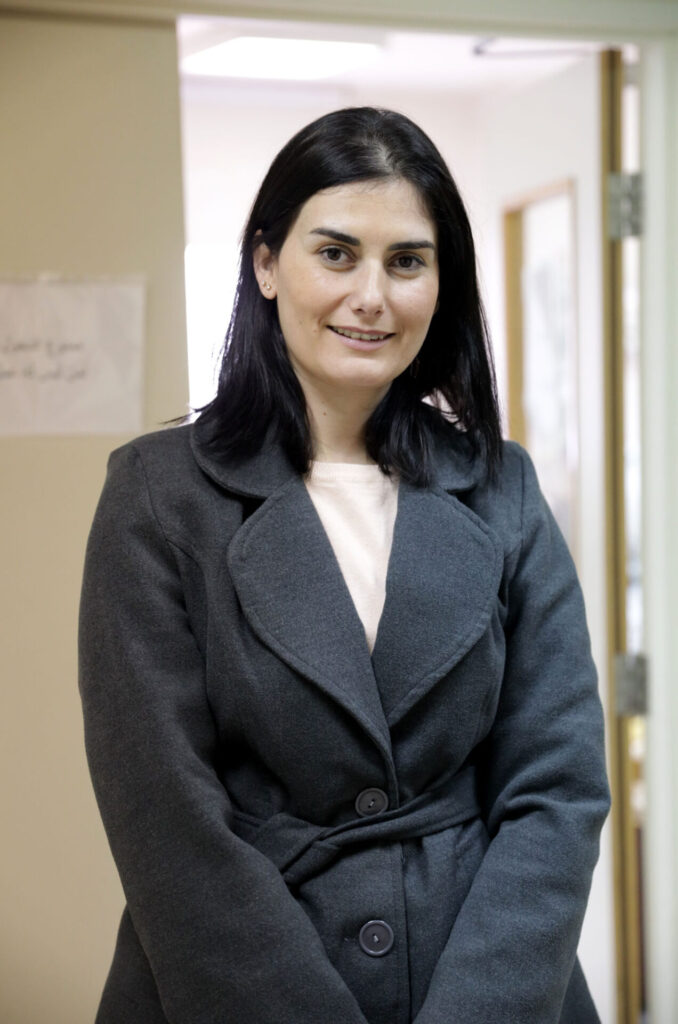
x: 522, y: 48
x: 263, y: 57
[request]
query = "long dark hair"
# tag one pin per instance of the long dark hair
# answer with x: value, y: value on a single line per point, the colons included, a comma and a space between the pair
x: 258, y: 390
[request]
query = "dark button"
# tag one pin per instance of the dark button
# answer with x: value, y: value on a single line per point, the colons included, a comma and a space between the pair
x: 371, y: 801
x: 376, y: 938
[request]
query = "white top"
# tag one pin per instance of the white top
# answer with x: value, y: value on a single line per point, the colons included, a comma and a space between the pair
x: 357, y: 505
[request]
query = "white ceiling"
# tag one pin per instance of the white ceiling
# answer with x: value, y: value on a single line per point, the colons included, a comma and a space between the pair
x: 419, y: 61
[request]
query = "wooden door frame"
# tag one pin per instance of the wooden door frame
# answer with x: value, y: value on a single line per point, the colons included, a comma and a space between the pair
x: 628, y: 923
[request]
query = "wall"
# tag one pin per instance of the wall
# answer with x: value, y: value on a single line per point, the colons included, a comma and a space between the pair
x: 90, y: 183
x: 499, y: 150
x: 659, y: 372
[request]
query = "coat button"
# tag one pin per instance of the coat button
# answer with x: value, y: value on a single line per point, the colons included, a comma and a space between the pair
x: 371, y: 801
x: 376, y: 938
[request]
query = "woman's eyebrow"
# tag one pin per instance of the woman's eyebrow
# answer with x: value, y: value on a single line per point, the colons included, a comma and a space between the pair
x: 423, y: 244
x: 339, y: 236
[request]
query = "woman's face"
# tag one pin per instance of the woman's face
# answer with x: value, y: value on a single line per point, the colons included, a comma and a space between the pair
x: 356, y: 283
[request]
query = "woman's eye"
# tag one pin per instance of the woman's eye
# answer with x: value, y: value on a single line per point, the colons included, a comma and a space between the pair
x: 333, y: 254
x: 408, y: 261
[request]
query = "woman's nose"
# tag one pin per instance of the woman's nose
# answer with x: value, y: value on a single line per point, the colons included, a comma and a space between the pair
x: 368, y: 295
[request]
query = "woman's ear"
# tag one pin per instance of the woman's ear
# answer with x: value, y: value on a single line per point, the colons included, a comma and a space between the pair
x: 265, y: 268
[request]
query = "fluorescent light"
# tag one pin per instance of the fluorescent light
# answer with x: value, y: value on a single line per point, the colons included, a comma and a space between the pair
x: 520, y: 48
x: 263, y: 57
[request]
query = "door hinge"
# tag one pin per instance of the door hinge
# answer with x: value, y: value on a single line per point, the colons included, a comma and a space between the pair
x: 630, y: 684
x: 624, y: 206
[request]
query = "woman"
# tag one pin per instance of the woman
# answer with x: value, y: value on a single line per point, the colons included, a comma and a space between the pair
x: 341, y: 714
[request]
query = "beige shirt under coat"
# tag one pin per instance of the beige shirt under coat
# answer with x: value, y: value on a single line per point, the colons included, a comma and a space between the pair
x: 357, y: 506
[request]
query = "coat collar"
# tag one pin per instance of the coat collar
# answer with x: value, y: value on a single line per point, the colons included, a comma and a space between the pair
x: 441, y: 585
x: 261, y: 474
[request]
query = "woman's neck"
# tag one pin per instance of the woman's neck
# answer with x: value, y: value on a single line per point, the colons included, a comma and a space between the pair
x: 337, y: 421
x: 332, y: 444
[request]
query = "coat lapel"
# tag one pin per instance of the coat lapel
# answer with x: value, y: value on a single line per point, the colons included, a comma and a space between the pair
x: 293, y: 594
x: 441, y: 587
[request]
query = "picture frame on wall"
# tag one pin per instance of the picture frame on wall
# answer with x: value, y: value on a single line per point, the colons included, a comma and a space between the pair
x: 542, y: 344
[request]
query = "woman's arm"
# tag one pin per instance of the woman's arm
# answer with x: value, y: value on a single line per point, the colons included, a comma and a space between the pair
x: 511, y: 950
x: 226, y: 941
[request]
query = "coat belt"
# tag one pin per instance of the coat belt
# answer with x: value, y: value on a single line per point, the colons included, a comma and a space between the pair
x: 301, y: 849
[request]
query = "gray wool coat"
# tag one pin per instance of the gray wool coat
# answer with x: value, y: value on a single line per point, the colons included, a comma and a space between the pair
x: 270, y: 790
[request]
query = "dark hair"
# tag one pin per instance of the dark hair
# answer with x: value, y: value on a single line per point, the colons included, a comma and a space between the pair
x: 258, y: 389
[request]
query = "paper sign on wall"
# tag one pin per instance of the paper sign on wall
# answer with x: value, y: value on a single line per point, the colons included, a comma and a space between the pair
x: 71, y: 355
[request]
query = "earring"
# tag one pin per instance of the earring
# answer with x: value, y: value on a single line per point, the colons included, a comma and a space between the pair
x: 267, y: 285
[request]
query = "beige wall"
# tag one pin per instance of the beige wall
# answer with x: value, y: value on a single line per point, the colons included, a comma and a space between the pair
x: 90, y: 184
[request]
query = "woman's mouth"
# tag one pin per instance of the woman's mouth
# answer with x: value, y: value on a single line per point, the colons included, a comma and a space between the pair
x: 362, y: 340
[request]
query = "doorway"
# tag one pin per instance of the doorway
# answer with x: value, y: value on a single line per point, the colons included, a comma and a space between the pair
x: 478, y: 104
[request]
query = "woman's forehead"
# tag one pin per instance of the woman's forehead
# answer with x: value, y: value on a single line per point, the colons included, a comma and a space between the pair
x: 367, y: 202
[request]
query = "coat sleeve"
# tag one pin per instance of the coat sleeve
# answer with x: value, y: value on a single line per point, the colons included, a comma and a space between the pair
x: 225, y: 940
x: 511, y: 951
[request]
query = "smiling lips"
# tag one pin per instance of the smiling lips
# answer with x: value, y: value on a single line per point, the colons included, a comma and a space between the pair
x: 365, y: 340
